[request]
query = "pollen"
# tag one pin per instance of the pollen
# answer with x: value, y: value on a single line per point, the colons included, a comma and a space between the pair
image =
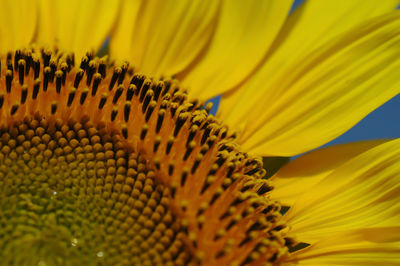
x: 100, y: 164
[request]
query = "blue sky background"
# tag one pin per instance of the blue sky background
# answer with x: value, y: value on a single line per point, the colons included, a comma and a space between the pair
x: 383, y: 123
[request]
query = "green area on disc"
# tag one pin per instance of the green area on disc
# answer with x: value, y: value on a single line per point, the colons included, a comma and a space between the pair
x: 71, y: 195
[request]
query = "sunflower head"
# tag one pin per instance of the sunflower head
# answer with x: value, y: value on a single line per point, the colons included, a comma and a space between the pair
x: 103, y: 164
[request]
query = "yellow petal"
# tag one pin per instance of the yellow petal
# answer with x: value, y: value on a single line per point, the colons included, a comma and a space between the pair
x: 18, y: 22
x: 323, y: 93
x: 76, y: 25
x: 162, y: 37
x: 354, y: 209
x: 302, y: 173
x: 121, y: 39
x: 309, y: 27
x: 243, y: 35
x: 372, y: 246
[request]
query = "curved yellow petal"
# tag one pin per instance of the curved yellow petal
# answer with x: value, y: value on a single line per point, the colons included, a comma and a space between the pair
x: 122, y: 37
x: 76, y: 25
x: 372, y: 246
x: 245, y: 31
x: 308, y: 28
x: 18, y: 23
x: 324, y: 93
x: 302, y: 173
x: 162, y: 37
x: 355, y: 208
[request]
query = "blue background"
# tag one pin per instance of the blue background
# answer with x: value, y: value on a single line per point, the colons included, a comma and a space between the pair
x: 383, y: 123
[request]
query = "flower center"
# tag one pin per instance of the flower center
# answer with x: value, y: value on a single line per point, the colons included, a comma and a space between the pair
x: 71, y: 194
x: 102, y: 165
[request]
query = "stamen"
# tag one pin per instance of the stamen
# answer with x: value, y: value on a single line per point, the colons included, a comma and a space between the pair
x: 96, y: 82
x: 127, y: 110
x: 9, y: 78
x: 103, y: 100
x: 21, y: 70
x: 59, y: 75
x: 78, y: 78
x: 90, y: 72
x: 117, y: 72
x: 36, y: 88
x: 24, y: 93
x: 84, y: 94
x: 118, y: 94
x: 71, y: 96
x: 46, y: 80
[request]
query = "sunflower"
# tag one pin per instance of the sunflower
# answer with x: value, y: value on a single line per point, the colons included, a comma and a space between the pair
x: 116, y: 159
